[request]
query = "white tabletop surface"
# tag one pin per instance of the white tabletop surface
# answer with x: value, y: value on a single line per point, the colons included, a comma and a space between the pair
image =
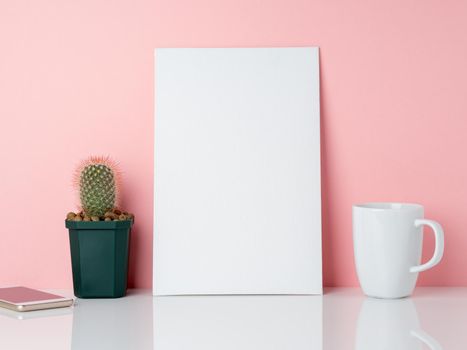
x: 434, y: 318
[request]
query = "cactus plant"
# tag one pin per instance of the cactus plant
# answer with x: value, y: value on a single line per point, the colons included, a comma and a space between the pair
x: 100, y: 232
x: 97, y: 179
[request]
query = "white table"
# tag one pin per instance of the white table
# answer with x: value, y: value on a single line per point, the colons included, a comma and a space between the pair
x: 341, y: 319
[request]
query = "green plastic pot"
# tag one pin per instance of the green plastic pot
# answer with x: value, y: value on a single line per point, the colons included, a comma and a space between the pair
x: 99, y: 257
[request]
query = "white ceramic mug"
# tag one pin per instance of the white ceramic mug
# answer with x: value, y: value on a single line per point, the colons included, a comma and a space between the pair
x: 388, y: 239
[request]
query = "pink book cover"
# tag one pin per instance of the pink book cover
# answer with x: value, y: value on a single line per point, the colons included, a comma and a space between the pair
x: 18, y: 295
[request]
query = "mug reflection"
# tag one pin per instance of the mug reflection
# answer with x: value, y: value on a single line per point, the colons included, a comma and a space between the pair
x: 391, y: 324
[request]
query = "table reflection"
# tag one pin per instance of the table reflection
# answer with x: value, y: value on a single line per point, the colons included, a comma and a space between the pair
x: 116, y: 324
x: 391, y: 324
x: 123, y: 323
x: 238, y: 322
x: 46, y: 329
x: 434, y: 318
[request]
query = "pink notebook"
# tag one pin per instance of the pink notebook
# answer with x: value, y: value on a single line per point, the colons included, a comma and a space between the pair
x: 27, y: 299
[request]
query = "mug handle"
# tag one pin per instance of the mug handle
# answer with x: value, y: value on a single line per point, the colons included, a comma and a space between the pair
x: 439, y: 245
x: 426, y: 339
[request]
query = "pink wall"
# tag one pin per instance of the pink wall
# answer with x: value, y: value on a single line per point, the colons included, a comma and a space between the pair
x: 76, y: 78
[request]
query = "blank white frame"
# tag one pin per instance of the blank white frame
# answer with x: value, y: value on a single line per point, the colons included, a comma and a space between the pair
x: 237, y: 188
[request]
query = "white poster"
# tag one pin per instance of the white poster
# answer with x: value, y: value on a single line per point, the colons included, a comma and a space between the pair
x: 237, y: 171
